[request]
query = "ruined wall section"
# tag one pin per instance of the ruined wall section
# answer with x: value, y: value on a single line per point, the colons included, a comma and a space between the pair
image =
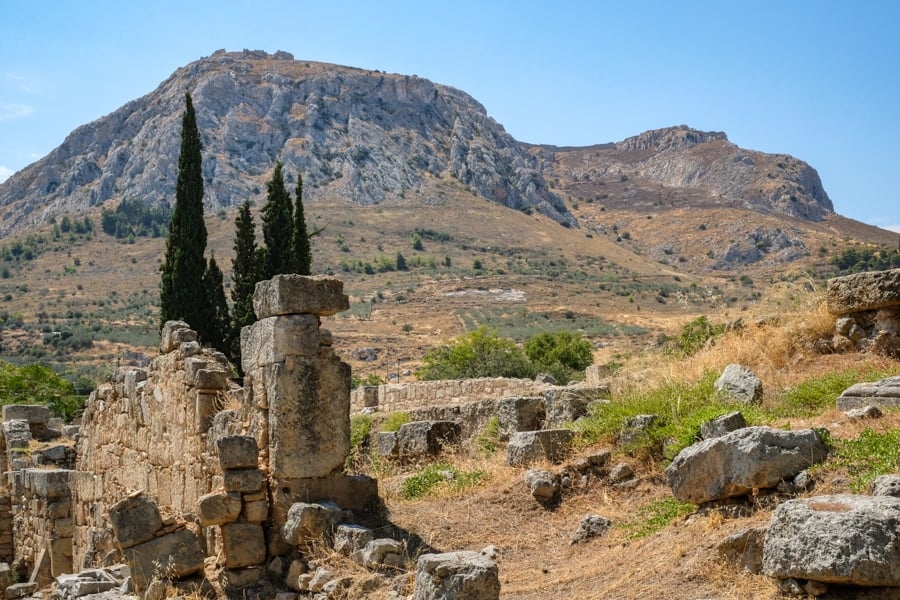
x: 406, y: 397
x: 146, y: 430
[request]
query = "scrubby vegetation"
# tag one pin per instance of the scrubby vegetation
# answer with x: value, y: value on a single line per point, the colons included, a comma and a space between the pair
x: 38, y: 384
x: 856, y: 260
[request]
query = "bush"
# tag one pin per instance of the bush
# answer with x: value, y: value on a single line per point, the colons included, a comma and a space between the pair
x: 479, y: 353
x: 37, y: 384
x: 694, y: 336
x: 394, y: 421
x: 563, y: 354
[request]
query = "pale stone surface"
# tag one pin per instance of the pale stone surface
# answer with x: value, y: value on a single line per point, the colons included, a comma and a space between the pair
x: 590, y: 527
x: 422, y: 438
x: 884, y: 393
x: 457, y: 576
x: 886, y: 485
x: 541, y: 483
x: 387, y: 443
x: 32, y: 414
x: 48, y: 483
x: 740, y: 383
x: 844, y: 539
x: 175, y: 333
x: 270, y: 341
x: 721, y: 425
x: 243, y: 480
x: 349, y: 538
x: 738, y: 462
x: 863, y: 291
x: 744, y: 548
x: 383, y: 552
x: 134, y: 520
x: 176, y: 555
x: 532, y: 446
x: 297, y: 295
x: 237, y: 452
x: 219, y: 508
x: 567, y: 404
x: 308, y: 522
x: 243, y: 544
x: 520, y: 413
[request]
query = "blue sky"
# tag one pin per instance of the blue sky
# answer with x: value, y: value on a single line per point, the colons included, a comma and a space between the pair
x: 816, y: 79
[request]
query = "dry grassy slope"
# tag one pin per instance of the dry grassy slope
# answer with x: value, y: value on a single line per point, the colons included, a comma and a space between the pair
x: 556, y: 269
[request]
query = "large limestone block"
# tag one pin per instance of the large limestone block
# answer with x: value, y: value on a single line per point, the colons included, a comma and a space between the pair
x: 357, y: 493
x: 740, y: 383
x: 237, y: 452
x: 299, y: 295
x: 171, y: 556
x: 567, y: 404
x: 175, y: 333
x: 310, y: 522
x: 842, y: 539
x: 134, y: 520
x: 219, y: 508
x: 533, y: 446
x: 457, y: 576
x: 884, y: 393
x: 271, y: 340
x: 244, y: 545
x: 863, y: 291
x: 33, y: 414
x: 309, y: 416
x: 421, y: 438
x: 736, y: 463
x: 49, y: 483
x: 521, y: 413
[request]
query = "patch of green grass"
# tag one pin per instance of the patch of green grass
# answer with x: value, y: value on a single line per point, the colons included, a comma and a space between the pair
x: 439, y: 475
x: 868, y: 456
x: 656, y: 516
x: 394, y: 421
x: 815, y: 395
x: 489, y: 438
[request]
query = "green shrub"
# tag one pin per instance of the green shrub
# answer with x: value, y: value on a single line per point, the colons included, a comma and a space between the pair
x: 370, y: 379
x: 479, y: 353
x: 694, y: 336
x: 439, y: 475
x: 38, y: 384
x: 563, y: 354
x: 489, y: 438
x: 394, y: 421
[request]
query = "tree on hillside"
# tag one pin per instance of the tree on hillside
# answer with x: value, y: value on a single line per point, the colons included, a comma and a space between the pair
x: 278, y: 218
x: 563, y: 354
x: 181, y: 291
x: 302, y: 257
x: 244, y: 275
x: 479, y: 353
x: 216, y: 326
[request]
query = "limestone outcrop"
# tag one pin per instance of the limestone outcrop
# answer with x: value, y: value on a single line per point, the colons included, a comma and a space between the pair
x: 867, y: 307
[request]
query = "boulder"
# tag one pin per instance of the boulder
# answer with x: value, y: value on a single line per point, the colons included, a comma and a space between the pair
x: 744, y: 548
x: 884, y: 393
x: 721, y: 425
x: 636, y: 427
x: 462, y: 575
x: 738, y: 462
x: 383, y: 552
x: 542, y: 484
x: 386, y: 443
x: 740, y: 383
x: 520, y: 413
x: 590, y: 527
x: 863, y: 291
x: 172, y: 556
x: 33, y: 414
x: 309, y: 522
x: 886, y: 485
x: 842, y: 539
x: 568, y: 404
x: 134, y: 520
x: 350, y: 538
x: 219, y: 508
x: 422, y: 438
x: 533, y: 446
x: 319, y: 295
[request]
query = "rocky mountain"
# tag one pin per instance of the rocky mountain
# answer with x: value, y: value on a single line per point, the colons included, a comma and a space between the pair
x: 356, y: 136
x: 702, y: 166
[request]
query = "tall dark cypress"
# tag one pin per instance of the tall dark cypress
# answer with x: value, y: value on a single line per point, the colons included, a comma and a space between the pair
x: 244, y: 275
x: 216, y: 327
x: 181, y: 290
x: 301, y: 251
x: 277, y: 216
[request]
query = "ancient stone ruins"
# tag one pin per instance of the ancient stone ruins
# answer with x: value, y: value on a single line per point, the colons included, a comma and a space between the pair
x: 183, y: 477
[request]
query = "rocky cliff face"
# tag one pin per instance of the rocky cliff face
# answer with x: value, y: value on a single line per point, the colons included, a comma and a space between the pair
x: 702, y: 165
x: 356, y: 136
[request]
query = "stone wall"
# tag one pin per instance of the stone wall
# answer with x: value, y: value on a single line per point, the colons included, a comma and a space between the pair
x: 146, y: 430
x: 868, y: 309
x: 42, y: 521
x: 406, y: 397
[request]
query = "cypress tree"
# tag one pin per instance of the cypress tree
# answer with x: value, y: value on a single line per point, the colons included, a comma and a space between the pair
x: 216, y: 330
x: 244, y: 275
x: 301, y: 252
x: 277, y: 216
x: 181, y: 290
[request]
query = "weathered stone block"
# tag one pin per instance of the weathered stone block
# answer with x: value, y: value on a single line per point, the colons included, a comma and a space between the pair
x: 211, y: 379
x: 738, y: 462
x: 271, y: 340
x: 48, y: 483
x: 238, y: 452
x: 219, y: 508
x: 884, y: 393
x: 60, y: 552
x: 843, y: 539
x: 357, y: 493
x: 885, y: 485
x: 244, y: 545
x: 312, y: 522
x: 722, y: 425
x: 32, y: 414
x: 565, y: 405
x: 386, y: 443
x: 174, y: 333
x: 863, y: 291
x: 299, y: 295
x: 256, y: 511
x: 206, y: 407
x: 174, y: 555
x: 532, y: 446
x: 383, y: 552
x: 243, y: 480
x: 523, y: 413
x: 744, y: 548
x: 740, y: 383
x: 192, y: 365
x: 542, y: 484
x: 20, y: 590
x: 241, y: 578
x: 309, y: 416
x: 350, y: 538
x: 422, y: 438
x: 134, y: 520
x: 457, y: 576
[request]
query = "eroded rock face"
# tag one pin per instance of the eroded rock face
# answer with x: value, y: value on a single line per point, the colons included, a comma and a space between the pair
x: 884, y: 393
x: 863, y: 292
x: 740, y: 383
x: 533, y: 446
x: 457, y: 576
x: 738, y: 462
x: 843, y: 539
